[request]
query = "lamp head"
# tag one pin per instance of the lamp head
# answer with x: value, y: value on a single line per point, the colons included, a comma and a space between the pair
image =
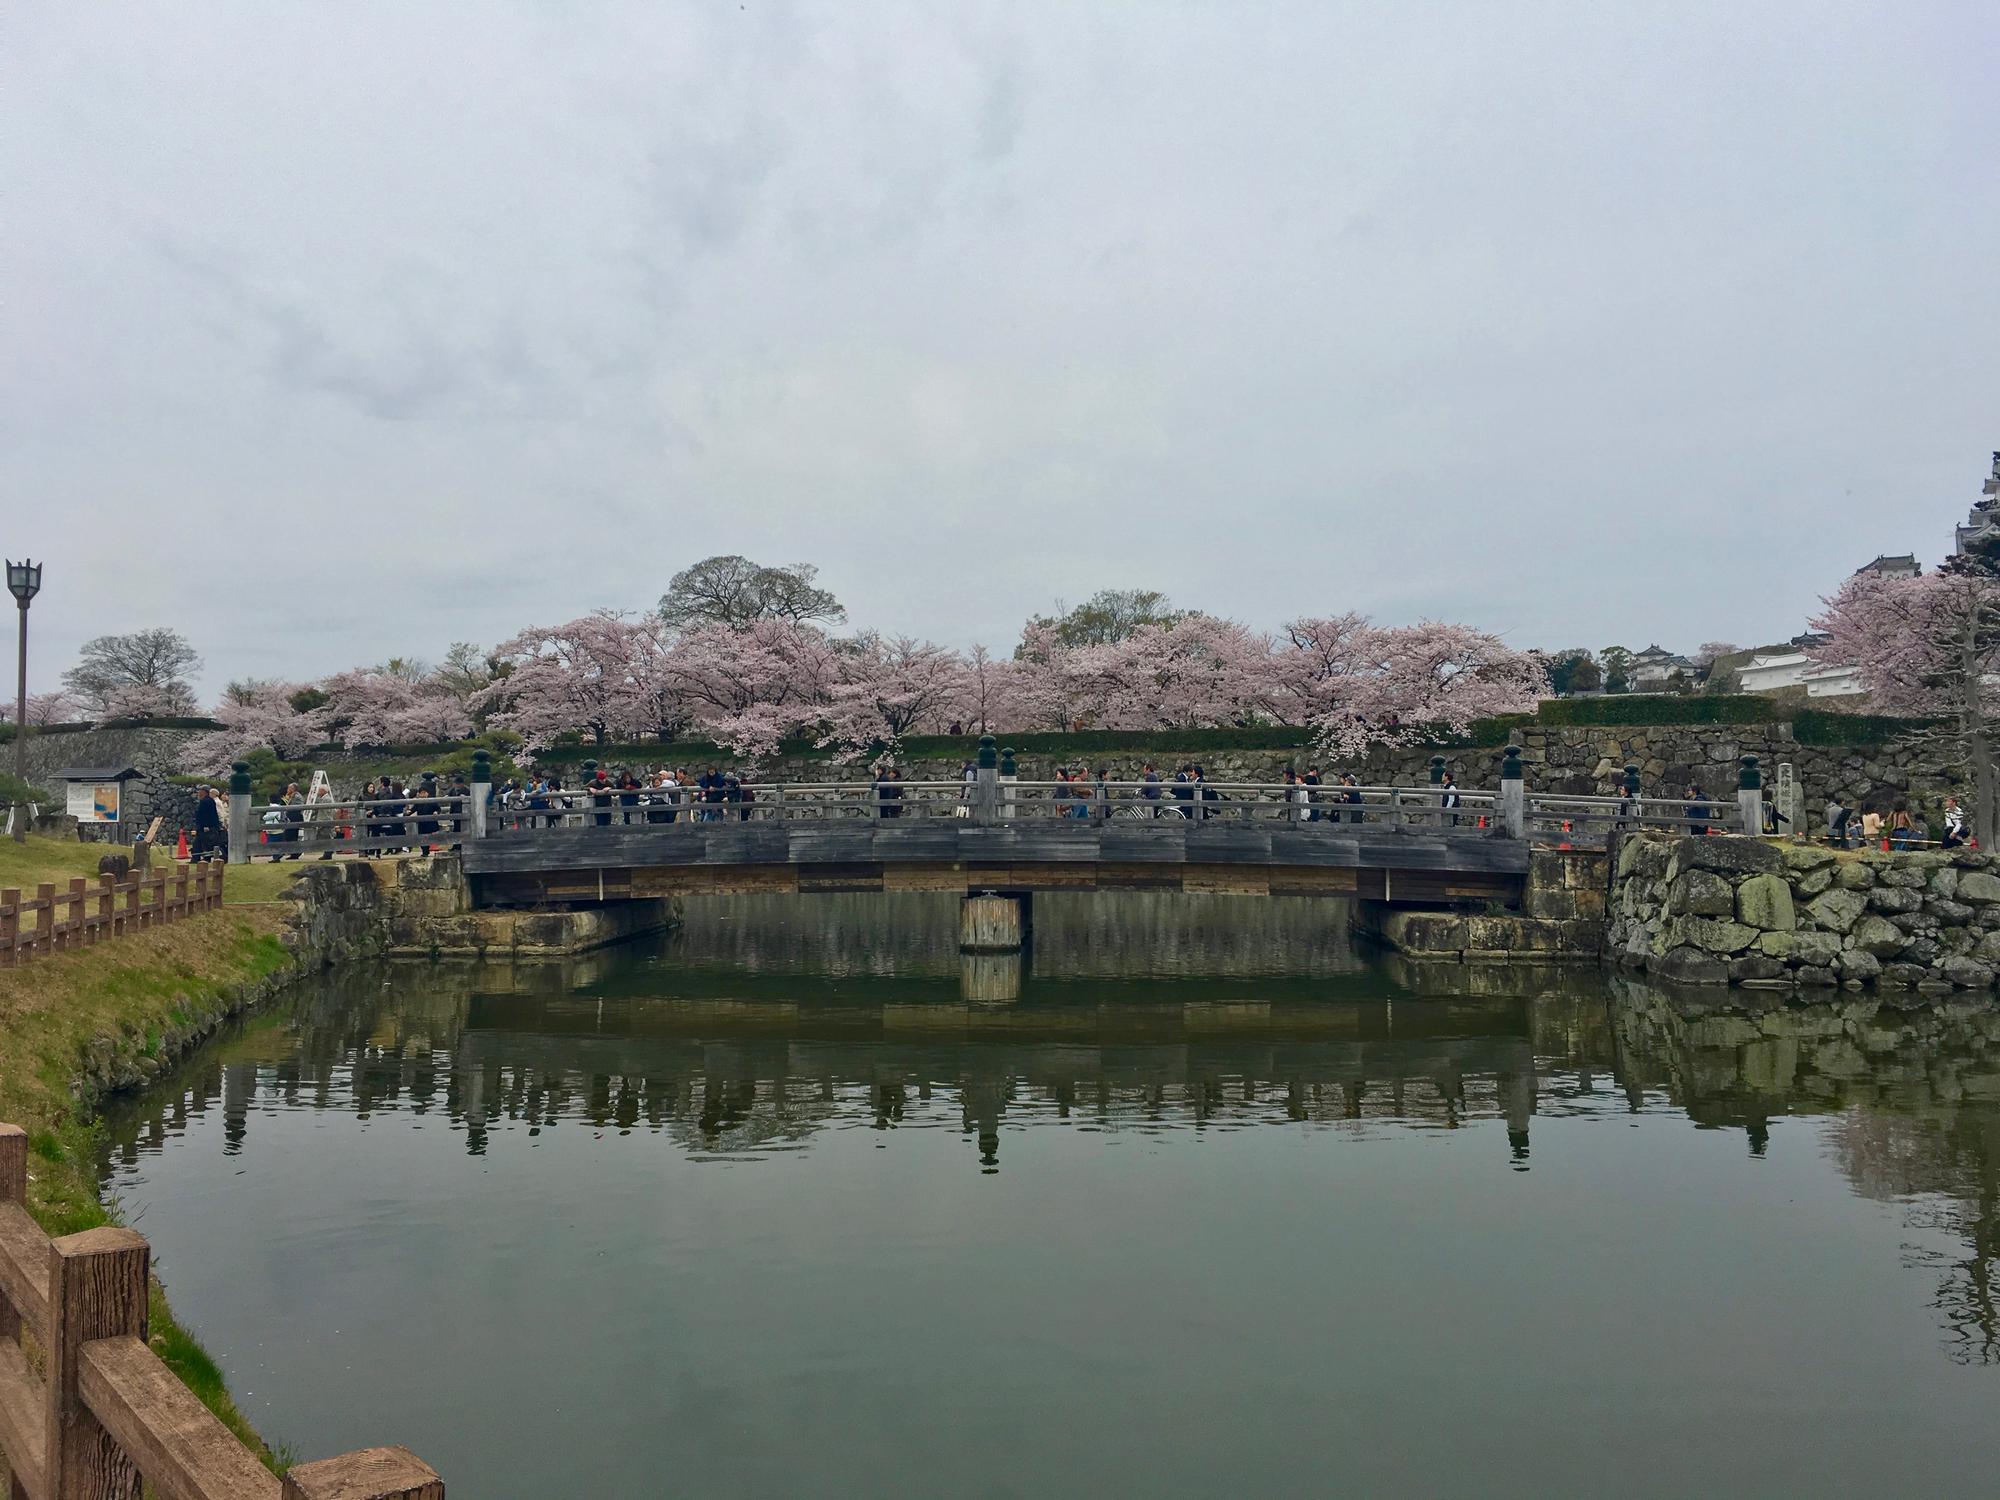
x: 24, y: 580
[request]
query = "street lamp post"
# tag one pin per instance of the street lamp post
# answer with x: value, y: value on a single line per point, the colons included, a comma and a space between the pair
x: 24, y: 581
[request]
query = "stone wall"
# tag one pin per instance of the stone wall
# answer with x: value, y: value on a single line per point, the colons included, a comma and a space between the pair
x: 156, y: 752
x: 425, y: 910
x: 1561, y: 918
x: 1733, y: 910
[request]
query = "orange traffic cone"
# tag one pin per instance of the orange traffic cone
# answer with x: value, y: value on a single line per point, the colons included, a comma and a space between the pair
x: 181, y: 847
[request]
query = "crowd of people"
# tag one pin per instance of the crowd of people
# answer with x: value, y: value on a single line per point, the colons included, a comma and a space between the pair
x: 1898, y: 825
x: 430, y: 812
x: 662, y: 795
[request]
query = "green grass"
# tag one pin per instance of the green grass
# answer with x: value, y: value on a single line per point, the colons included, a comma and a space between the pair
x: 131, y: 990
x: 56, y: 861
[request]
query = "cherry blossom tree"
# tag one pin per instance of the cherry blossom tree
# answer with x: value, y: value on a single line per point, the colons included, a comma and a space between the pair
x: 1057, y: 686
x: 255, y: 715
x: 1928, y: 646
x: 888, y: 688
x: 372, y: 706
x: 604, y: 675
x: 1317, y: 652
x: 134, y: 676
x: 987, y: 688
x: 749, y: 687
x: 1191, y: 672
x: 1413, y: 684
x: 59, y: 707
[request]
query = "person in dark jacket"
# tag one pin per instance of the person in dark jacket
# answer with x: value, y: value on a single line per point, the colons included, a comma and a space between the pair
x: 1697, y: 809
x: 208, y: 836
x: 600, y: 788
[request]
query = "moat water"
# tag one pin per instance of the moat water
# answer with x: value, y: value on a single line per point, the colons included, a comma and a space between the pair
x: 1214, y: 1206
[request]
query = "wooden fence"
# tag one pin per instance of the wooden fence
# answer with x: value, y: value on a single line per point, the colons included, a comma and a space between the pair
x: 91, y: 910
x: 88, y: 1411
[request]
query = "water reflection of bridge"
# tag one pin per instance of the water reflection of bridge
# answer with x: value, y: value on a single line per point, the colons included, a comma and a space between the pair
x: 727, y: 1065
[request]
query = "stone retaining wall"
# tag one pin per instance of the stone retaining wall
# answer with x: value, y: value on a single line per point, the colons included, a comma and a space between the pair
x: 1561, y: 918
x: 422, y: 908
x: 1750, y: 911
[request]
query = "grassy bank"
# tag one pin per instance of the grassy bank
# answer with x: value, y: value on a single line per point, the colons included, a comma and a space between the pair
x: 55, y: 861
x: 132, y: 989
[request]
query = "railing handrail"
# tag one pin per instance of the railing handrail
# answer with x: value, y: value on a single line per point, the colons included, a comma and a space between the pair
x: 95, y: 910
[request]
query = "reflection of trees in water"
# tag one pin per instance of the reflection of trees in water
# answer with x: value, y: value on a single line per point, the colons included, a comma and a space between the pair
x: 1912, y: 1095
x: 1949, y: 1162
x: 1084, y: 934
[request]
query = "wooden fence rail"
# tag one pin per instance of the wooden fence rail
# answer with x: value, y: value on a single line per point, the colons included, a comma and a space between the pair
x: 88, y: 1411
x: 89, y: 911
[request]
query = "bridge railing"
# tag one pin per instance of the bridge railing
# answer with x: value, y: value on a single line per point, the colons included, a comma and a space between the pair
x: 292, y: 830
x: 1010, y: 801
x: 88, y: 1411
x: 1557, y: 817
x: 444, y: 821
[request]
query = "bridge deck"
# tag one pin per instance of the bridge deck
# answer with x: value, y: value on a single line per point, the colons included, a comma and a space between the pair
x: 636, y: 860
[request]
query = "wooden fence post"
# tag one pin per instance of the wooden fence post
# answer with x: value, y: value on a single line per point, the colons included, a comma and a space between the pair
x: 370, y: 1474
x: 97, y: 1290
x: 13, y: 1189
x: 10, y: 926
x: 107, y: 904
x: 46, y: 894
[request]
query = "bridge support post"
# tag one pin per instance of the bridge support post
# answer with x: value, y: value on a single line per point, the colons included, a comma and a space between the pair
x: 1750, y: 797
x: 239, y: 813
x: 482, y: 791
x: 988, y: 923
x: 1513, y: 794
x: 986, y: 784
x: 1008, y: 776
x: 990, y: 978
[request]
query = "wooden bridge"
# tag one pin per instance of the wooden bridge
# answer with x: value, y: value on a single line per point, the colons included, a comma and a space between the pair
x: 986, y: 833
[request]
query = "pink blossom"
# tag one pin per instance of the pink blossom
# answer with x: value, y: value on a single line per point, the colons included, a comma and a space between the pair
x: 255, y: 716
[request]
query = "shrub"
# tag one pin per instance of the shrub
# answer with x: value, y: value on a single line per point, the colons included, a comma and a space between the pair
x: 1622, y: 709
x: 14, y: 790
x: 1812, y: 726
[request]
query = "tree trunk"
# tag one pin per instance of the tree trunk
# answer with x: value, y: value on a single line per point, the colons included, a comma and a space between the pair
x: 1985, y: 816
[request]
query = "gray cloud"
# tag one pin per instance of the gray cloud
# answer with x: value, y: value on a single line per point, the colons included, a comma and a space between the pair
x: 343, y: 331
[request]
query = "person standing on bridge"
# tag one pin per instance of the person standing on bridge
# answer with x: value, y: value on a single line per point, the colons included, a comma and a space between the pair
x: 1352, y: 796
x: 600, y: 789
x: 1697, y: 809
x: 712, y: 789
x: 1309, y: 781
x: 628, y: 795
x: 1954, y: 825
x: 1449, y: 798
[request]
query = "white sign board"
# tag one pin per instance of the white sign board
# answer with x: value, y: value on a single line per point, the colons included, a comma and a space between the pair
x: 93, y: 802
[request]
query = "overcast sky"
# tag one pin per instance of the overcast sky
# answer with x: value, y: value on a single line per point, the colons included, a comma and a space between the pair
x: 337, y: 331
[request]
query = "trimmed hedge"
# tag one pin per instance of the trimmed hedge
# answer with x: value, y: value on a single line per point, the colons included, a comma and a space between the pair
x: 1622, y: 709
x: 84, y: 726
x: 1813, y: 726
